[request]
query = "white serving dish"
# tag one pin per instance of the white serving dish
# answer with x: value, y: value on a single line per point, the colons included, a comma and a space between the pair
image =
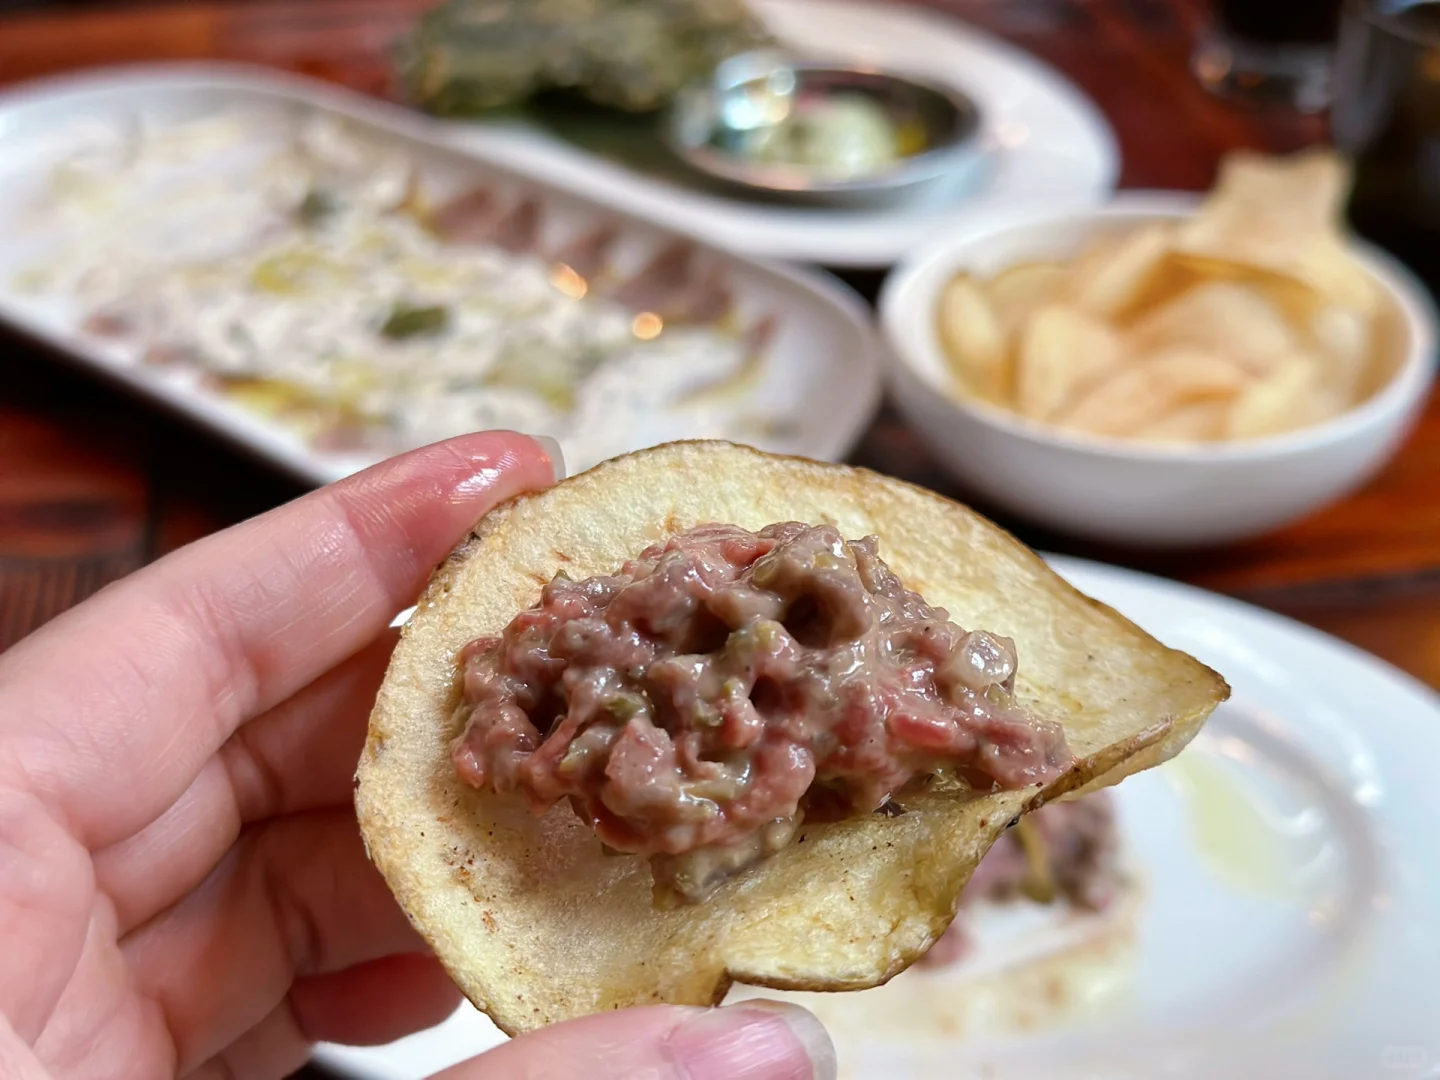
x: 1128, y: 492
x: 821, y: 365
x: 1042, y: 142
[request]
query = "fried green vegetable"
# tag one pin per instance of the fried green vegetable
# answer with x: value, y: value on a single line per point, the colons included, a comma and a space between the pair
x: 315, y: 207
x: 470, y: 56
x: 407, y: 322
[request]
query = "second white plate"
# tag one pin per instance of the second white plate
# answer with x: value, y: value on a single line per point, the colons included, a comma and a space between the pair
x: 816, y: 388
x: 1048, y: 143
x: 1286, y: 924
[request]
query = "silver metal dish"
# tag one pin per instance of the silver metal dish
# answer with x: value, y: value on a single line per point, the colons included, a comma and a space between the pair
x: 717, y: 125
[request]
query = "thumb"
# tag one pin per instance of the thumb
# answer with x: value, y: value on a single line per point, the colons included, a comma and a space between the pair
x: 750, y: 1040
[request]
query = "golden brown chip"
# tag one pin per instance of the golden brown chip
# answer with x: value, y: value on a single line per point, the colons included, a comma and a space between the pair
x: 1284, y: 215
x: 1184, y: 271
x: 1298, y: 195
x: 1231, y: 320
x: 1199, y: 421
x: 1153, y: 387
x: 1343, y: 340
x: 1062, y: 352
x: 1018, y: 291
x: 537, y: 925
x: 1290, y: 397
x: 1329, y: 267
x: 1110, y: 279
x: 973, y: 339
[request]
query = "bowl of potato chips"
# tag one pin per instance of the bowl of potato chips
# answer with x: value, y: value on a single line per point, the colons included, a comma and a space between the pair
x: 1166, y: 369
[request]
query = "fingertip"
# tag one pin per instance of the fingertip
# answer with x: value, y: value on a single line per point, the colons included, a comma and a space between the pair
x: 751, y: 1040
x: 497, y: 464
x: 554, y: 453
x: 755, y: 1039
x: 808, y: 1031
x: 411, y: 510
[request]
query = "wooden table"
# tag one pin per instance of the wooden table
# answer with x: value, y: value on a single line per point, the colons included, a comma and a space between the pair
x: 92, y: 483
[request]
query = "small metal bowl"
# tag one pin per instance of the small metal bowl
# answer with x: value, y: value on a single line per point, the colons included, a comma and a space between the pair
x: 713, y: 126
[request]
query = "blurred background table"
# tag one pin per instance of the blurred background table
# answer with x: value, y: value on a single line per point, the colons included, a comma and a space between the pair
x: 93, y: 483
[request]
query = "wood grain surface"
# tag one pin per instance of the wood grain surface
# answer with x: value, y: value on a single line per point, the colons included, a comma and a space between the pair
x: 94, y: 480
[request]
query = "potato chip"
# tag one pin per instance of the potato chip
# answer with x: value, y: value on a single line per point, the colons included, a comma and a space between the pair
x: 1110, y: 279
x: 537, y: 924
x: 1343, y: 340
x: 1222, y: 317
x: 1329, y: 267
x: 1283, y: 215
x: 1174, y: 276
x: 1017, y: 292
x: 1153, y: 387
x: 1061, y: 353
x: 1302, y: 194
x: 1296, y: 299
x: 1259, y: 285
x: 973, y: 340
x: 1199, y: 421
x: 1281, y: 402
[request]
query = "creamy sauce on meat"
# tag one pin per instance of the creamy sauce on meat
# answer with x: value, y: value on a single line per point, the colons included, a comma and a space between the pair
x: 697, y: 704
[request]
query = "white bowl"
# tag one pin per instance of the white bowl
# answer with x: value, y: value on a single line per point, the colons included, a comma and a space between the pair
x: 1130, y: 492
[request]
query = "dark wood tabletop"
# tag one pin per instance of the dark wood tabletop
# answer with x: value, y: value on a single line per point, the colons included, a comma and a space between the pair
x: 94, y: 483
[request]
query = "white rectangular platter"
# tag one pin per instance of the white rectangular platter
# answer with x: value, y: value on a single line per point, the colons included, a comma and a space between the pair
x: 85, y: 159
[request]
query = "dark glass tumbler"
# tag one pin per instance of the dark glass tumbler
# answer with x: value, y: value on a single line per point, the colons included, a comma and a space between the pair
x: 1270, y: 51
x: 1386, y: 116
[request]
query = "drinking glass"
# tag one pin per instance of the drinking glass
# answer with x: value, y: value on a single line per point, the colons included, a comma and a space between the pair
x: 1386, y: 116
x: 1270, y: 51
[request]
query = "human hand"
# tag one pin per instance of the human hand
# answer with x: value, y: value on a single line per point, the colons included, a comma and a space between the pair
x: 183, y: 889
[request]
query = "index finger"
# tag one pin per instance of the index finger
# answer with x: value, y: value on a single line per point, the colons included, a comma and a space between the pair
x: 110, y: 710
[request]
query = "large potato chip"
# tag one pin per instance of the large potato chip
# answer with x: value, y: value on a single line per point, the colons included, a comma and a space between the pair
x: 973, y: 339
x: 1110, y: 279
x: 1062, y: 352
x: 536, y: 924
x: 1283, y: 214
x: 1299, y: 195
x: 1153, y: 387
x: 1018, y: 291
x: 1227, y: 318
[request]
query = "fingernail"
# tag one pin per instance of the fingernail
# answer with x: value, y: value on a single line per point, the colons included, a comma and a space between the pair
x: 753, y: 1040
x: 554, y: 453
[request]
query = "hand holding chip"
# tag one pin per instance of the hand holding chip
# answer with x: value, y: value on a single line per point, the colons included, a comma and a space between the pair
x: 183, y: 890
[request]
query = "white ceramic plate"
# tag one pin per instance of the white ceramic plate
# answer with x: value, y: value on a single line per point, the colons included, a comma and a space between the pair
x: 1288, y: 924
x: 1047, y: 142
x: 821, y: 367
